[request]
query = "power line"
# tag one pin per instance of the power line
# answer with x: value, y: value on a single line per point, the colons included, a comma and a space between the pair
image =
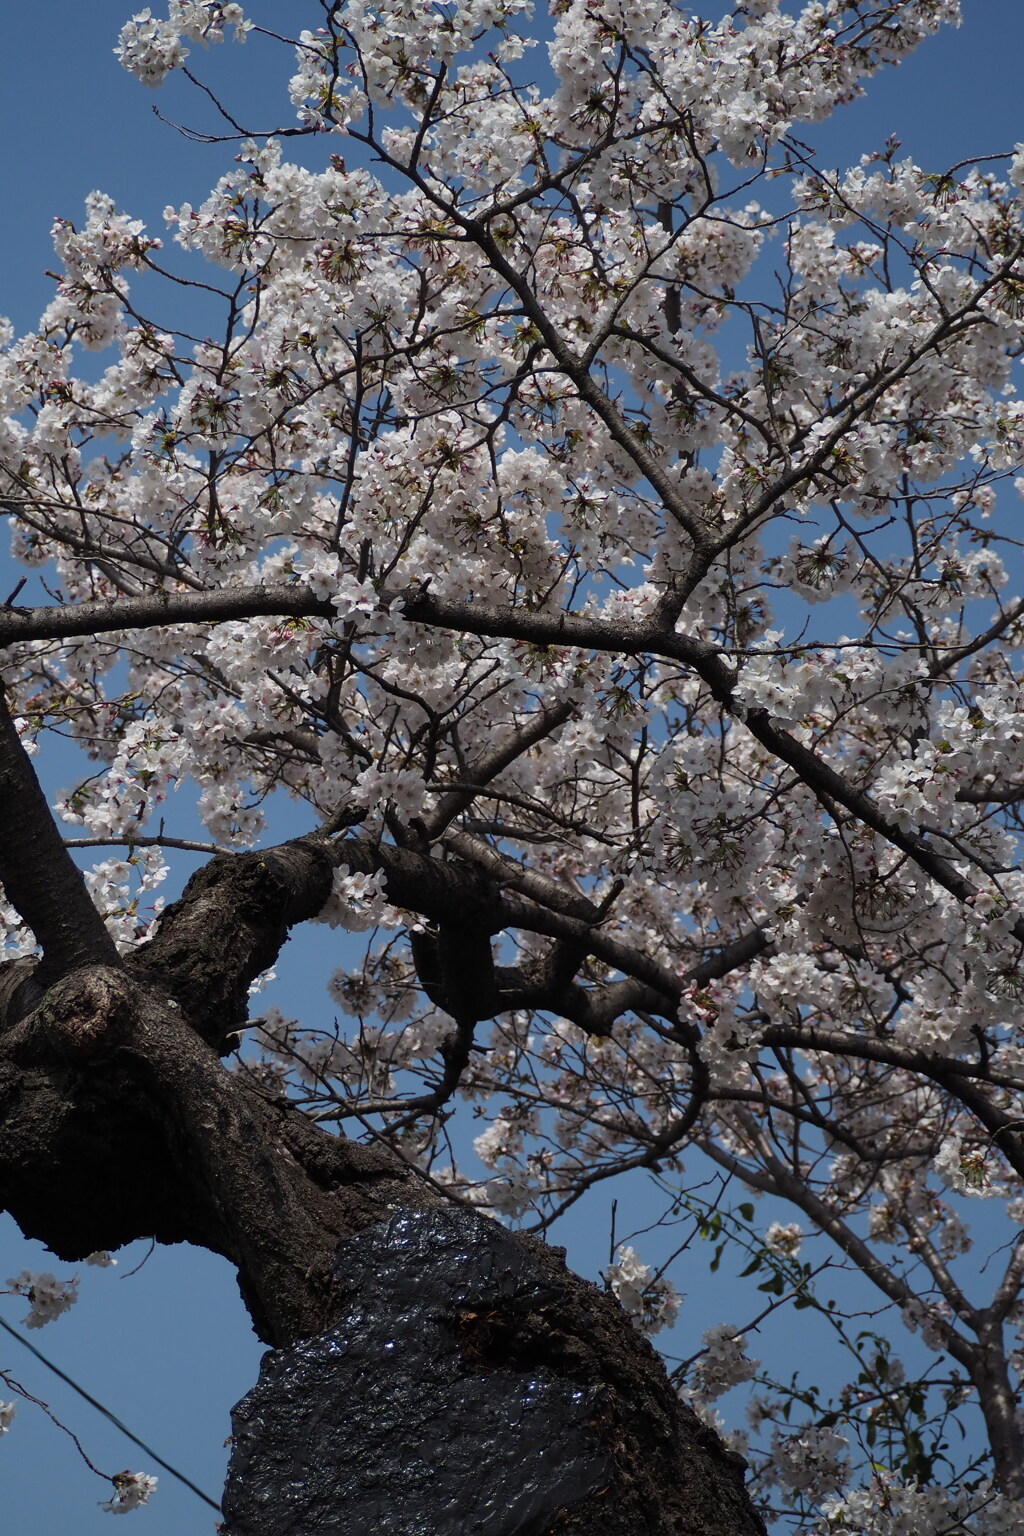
x: 112, y: 1417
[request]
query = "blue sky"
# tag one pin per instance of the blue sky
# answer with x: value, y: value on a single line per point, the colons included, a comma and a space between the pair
x: 169, y: 1349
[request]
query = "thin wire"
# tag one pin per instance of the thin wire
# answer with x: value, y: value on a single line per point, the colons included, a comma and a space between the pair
x: 108, y: 1415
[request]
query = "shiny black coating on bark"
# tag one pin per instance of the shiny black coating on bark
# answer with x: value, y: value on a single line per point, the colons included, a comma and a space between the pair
x: 395, y: 1422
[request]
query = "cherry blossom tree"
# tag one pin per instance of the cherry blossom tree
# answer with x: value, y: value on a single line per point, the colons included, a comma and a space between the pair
x: 584, y: 530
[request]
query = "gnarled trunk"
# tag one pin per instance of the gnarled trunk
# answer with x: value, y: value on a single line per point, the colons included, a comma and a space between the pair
x: 430, y: 1370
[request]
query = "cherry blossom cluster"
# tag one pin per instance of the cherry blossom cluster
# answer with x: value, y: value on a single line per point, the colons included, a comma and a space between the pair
x: 150, y: 49
x: 131, y: 1491
x: 651, y: 1301
x: 886, y: 1505
x: 48, y: 1297
x: 722, y: 1364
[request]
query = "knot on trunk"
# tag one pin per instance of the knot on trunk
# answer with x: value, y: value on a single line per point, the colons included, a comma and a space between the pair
x: 87, y: 1014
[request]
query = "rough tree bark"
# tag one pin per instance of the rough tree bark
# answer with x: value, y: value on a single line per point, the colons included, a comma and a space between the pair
x: 428, y: 1370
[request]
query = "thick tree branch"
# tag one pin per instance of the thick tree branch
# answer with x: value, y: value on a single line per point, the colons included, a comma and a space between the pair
x: 511, y: 875
x: 228, y: 927
x: 38, y: 875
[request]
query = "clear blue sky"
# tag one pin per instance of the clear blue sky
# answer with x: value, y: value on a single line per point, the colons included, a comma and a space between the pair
x: 170, y: 1349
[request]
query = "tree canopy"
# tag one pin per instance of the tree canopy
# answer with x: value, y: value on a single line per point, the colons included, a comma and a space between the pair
x: 592, y: 514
